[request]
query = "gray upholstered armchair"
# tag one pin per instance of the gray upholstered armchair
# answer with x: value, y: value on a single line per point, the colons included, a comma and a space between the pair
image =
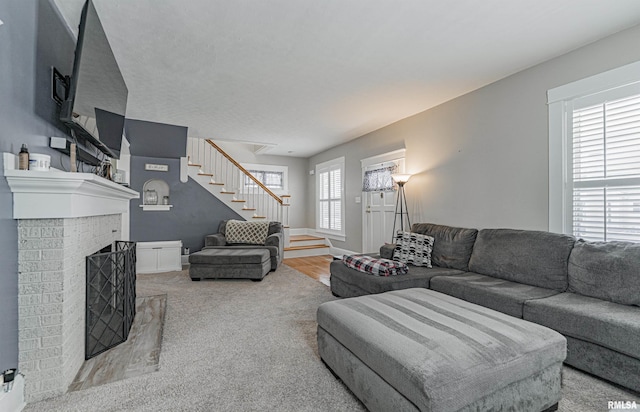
x: 274, y: 242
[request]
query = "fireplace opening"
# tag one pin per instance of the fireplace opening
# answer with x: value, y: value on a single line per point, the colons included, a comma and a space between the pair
x: 111, y: 297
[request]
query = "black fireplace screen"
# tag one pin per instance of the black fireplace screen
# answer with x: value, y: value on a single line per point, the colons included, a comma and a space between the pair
x: 111, y: 297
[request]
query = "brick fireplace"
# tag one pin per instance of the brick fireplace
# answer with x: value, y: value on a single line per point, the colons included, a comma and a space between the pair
x: 62, y: 218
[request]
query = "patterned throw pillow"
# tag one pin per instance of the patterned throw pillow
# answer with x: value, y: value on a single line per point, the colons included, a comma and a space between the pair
x: 374, y: 266
x: 413, y: 248
x: 251, y: 233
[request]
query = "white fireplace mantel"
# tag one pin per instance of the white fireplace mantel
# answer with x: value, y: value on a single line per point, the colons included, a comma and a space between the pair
x: 57, y: 194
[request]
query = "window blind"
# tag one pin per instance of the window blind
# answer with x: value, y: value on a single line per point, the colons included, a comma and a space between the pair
x: 330, y: 198
x: 606, y: 170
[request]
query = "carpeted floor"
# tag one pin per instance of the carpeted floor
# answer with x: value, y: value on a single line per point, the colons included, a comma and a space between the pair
x: 236, y: 345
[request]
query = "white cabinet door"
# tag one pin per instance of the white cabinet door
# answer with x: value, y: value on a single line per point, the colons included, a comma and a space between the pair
x: 153, y: 257
x: 169, y: 259
x: 146, y: 260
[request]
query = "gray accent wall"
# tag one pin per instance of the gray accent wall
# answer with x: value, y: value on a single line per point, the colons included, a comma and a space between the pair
x: 156, y: 139
x: 195, y: 212
x: 32, y: 39
x: 480, y: 160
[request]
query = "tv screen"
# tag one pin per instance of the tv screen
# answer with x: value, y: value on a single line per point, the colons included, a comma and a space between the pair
x: 96, y: 106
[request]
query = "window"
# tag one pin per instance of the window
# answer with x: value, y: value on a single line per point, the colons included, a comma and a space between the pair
x: 273, y: 177
x: 600, y: 145
x: 379, y: 179
x: 272, y: 180
x: 330, y: 195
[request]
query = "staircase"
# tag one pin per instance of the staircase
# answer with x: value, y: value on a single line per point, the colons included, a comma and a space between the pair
x: 306, y: 245
x: 232, y: 184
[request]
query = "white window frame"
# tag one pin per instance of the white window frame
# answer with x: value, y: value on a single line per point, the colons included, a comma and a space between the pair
x: 269, y: 168
x: 559, y: 102
x: 325, y: 167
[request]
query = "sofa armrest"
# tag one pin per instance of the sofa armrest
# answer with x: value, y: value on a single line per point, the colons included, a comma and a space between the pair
x: 277, y: 240
x: 386, y: 250
x: 215, y: 240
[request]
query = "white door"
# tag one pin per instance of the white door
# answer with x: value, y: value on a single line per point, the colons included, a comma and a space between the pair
x: 379, y: 210
x: 378, y: 207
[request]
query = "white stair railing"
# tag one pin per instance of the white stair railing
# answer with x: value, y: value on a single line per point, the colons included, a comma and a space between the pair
x: 235, y: 181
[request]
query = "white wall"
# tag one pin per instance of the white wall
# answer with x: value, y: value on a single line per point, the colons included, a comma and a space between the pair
x: 480, y: 160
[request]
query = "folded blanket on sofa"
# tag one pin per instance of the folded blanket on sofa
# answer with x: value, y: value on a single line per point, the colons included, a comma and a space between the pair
x: 252, y: 233
x: 373, y: 266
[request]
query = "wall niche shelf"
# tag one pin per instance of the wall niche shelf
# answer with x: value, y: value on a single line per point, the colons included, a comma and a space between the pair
x: 154, y: 194
x: 156, y: 208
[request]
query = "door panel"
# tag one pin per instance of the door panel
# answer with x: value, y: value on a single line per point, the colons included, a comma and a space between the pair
x: 379, y: 213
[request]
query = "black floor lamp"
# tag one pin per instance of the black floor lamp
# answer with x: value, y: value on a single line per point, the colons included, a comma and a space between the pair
x: 401, y: 203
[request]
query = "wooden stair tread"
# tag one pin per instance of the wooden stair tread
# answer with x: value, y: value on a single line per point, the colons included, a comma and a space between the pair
x: 302, y: 238
x: 228, y: 193
x: 305, y: 247
x: 238, y: 201
x: 196, y: 165
x: 258, y: 217
x: 249, y: 208
x: 216, y: 183
x: 205, y: 174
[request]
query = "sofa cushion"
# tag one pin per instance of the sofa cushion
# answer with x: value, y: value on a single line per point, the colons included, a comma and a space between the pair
x: 524, y: 256
x: 606, y: 270
x: 273, y: 250
x: 498, y: 294
x: 229, y: 256
x: 350, y: 282
x: 413, y: 248
x: 452, y: 246
x: 608, y: 324
x: 375, y: 266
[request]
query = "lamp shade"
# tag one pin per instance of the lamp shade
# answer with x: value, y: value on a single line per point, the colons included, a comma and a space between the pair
x: 400, y: 177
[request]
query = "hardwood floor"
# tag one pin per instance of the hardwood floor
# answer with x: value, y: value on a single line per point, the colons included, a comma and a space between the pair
x: 316, y: 267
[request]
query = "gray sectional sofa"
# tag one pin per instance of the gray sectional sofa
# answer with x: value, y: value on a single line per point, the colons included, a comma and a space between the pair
x: 587, y: 291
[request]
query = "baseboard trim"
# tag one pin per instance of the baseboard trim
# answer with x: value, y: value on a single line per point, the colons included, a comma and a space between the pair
x: 13, y: 401
x: 338, y: 251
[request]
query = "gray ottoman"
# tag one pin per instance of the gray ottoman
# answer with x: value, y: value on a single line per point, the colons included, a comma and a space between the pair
x: 229, y: 263
x: 418, y: 349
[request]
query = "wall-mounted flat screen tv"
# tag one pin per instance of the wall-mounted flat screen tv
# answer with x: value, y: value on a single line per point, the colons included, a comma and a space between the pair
x: 96, y: 105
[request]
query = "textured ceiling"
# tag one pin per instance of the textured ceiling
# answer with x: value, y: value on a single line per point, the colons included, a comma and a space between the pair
x: 301, y: 76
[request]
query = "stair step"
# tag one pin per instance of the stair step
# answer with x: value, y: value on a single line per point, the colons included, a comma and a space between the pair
x: 228, y: 193
x: 306, y: 247
x: 238, y: 201
x: 259, y: 217
x: 216, y: 183
x: 205, y: 174
x: 302, y: 238
x: 196, y: 165
x: 248, y: 208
